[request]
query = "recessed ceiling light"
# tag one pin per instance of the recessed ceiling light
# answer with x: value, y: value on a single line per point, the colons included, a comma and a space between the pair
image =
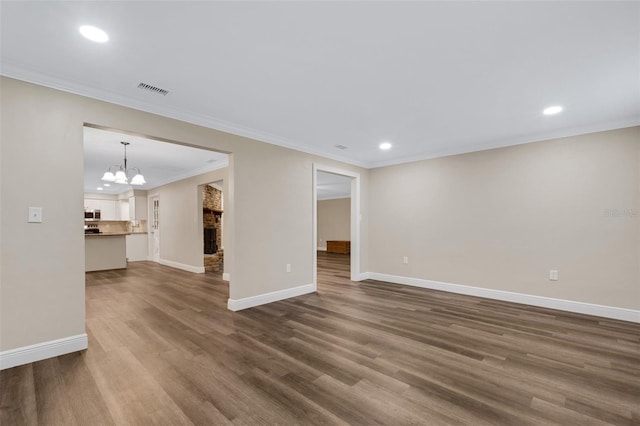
x: 107, y: 184
x: 99, y: 188
x: 385, y: 145
x: 552, y: 110
x: 94, y: 34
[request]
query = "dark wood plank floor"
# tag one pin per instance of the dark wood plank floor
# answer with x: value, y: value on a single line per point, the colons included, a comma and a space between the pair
x: 163, y: 349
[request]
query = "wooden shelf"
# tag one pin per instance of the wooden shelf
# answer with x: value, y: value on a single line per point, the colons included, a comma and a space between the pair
x: 212, y: 211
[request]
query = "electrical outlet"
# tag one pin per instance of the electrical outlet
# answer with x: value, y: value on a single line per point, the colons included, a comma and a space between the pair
x: 405, y: 260
x: 553, y: 275
x: 288, y: 267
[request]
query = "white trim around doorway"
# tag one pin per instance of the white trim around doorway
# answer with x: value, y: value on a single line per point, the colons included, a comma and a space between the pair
x: 355, y: 220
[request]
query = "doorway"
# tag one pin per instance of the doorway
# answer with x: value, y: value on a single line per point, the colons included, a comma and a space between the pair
x: 165, y: 170
x: 339, y: 184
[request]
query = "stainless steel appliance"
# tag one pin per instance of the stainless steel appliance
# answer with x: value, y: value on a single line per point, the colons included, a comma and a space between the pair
x: 92, y: 214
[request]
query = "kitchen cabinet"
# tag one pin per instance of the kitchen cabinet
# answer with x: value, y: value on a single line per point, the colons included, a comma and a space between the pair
x: 104, y: 252
x: 90, y: 204
x: 137, y: 208
x: 137, y: 247
x: 124, y: 209
x: 109, y: 210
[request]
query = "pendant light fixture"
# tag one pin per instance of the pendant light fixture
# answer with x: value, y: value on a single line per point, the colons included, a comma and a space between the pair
x: 122, y: 171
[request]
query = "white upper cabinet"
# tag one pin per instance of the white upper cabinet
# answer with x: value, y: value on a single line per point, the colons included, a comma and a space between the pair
x: 109, y: 209
x: 114, y: 207
x: 137, y: 208
x: 124, y: 209
x: 90, y: 204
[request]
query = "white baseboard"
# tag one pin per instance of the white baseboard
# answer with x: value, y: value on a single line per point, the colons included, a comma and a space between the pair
x: 261, y: 299
x: 363, y: 276
x: 184, y: 267
x: 226, y: 276
x: 527, y: 299
x: 44, y: 350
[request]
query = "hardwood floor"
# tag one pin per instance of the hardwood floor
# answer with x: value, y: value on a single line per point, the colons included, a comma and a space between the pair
x: 163, y: 349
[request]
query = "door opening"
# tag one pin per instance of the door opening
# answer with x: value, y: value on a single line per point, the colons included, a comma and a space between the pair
x: 336, y: 217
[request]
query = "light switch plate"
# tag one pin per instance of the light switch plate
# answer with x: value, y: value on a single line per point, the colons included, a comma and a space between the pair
x: 35, y: 214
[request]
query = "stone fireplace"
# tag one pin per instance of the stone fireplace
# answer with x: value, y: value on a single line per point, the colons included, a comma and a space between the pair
x: 212, y: 223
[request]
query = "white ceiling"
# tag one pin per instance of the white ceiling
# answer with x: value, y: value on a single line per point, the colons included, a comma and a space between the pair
x: 162, y: 163
x: 330, y: 186
x: 433, y: 78
x: 159, y: 162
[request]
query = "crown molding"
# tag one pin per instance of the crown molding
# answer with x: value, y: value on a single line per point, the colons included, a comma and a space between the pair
x: 35, y: 77
x: 339, y: 197
x: 484, y: 146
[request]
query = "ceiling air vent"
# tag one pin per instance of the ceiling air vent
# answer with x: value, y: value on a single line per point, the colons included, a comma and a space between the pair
x: 154, y: 89
x: 340, y: 146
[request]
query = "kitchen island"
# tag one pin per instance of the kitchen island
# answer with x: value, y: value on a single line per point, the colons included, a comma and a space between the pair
x: 105, y: 251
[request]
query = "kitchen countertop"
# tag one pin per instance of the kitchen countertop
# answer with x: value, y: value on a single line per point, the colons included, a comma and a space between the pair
x: 114, y: 234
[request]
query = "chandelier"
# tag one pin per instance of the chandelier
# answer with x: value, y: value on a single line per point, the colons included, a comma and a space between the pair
x: 122, y: 172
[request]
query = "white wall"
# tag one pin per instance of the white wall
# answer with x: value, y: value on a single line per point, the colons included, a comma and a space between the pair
x: 268, y: 201
x: 181, y: 230
x: 334, y: 221
x: 501, y: 219
x: 42, y: 264
x: 495, y: 219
